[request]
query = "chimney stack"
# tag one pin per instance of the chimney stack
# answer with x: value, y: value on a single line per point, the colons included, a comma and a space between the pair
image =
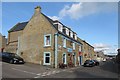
x: 37, y: 10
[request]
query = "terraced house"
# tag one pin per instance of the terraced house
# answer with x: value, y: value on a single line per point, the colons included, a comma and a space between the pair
x: 44, y: 41
x: 3, y: 42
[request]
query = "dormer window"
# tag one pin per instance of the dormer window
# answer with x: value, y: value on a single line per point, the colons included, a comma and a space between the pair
x: 71, y: 34
x: 64, y: 30
x: 59, y: 26
x: 75, y: 36
x: 67, y: 31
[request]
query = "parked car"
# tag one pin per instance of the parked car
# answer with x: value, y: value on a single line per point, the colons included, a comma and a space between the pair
x: 11, y: 58
x: 89, y: 63
x: 96, y: 62
x: 104, y: 60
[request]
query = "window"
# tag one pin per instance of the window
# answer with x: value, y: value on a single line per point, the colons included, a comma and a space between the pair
x: 47, y: 40
x: 75, y: 37
x: 80, y: 48
x: 60, y: 27
x: 64, y: 42
x: 67, y: 31
x: 73, y: 46
x: 64, y: 58
x: 64, y: 31
x: 47, y: 58
x: 71, y: 34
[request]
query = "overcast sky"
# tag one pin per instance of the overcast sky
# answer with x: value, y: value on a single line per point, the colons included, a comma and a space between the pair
x: 95, y: 22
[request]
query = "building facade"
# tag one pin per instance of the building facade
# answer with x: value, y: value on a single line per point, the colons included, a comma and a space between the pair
x: 44, y: 41
x: 3, y: 42
x: 13, y: 34
x: 87, y: 50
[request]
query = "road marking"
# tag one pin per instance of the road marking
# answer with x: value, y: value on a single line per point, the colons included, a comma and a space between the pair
x: 64, y: 70
x: 39, y: 74
x: 43, y: 75
x: 57, y: 71
x: 24, y: 71
x: 37, y: 77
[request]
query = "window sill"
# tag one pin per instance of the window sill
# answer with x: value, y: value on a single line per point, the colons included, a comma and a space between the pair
x: 47, y: 45
x: 64, y: 47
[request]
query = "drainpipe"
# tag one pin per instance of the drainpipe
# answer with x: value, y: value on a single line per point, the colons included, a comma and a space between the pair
x: 56, y: 49
x: 18, y: 46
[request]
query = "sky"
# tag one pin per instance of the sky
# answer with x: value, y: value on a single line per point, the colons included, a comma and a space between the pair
x: 94, y: 22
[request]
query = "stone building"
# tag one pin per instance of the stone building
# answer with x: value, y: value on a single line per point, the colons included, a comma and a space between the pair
x: 44, y: 41
x: 3, y: 42
x: 87, y: 50
x: 13, y: 34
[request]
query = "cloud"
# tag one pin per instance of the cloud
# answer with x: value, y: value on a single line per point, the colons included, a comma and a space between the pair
x: 54, y: 17
x: 79, y: 10
x: 100, y: 45
x: 106, y: 48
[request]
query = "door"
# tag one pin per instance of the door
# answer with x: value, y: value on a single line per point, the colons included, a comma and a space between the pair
x: 80, y: 60
x: 47, y: 58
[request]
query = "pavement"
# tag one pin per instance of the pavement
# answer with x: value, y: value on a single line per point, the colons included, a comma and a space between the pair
x: 107, y: 69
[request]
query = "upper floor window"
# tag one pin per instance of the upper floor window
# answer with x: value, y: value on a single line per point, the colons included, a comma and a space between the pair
x: 64, y: 42
x: 47, y: 40
x: 67, y: 31
x: 64, y: 30
x: 60, y: 27
x: 71, y: 34
x: 80, y: 48
x: 75, y: 36
x: 73, y: 46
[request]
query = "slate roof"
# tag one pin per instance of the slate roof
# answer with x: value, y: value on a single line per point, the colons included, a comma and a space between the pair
x: 18, y: 27
x: 52, y: 23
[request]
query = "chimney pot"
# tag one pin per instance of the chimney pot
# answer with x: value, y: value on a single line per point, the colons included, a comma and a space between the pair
x: 37, y: 10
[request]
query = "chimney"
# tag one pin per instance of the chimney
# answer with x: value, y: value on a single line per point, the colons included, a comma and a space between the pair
x: 37, y: 10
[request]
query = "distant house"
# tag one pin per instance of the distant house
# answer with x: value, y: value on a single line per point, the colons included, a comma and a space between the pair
x: 118, y: 56
x: 3, y: 42
x: 100, y: 55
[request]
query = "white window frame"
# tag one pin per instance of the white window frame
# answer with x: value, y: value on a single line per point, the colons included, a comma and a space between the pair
x: 45, y: 40
x: 64, y: 42
x: 44, y: 63
x: 60, y: 27
x: 65, y: 58
x: 80, y: 48
x: 67, y: 31
x: 71, y: 34
x: 73, y: 46
x: 75, y: 36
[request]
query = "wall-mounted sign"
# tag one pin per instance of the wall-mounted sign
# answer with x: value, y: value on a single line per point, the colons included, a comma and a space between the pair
x: 69, y: 50
x: 80, y: 53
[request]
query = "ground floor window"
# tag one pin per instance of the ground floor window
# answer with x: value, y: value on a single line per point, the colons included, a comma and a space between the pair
x: 64, y: 58
x: 47, y: 58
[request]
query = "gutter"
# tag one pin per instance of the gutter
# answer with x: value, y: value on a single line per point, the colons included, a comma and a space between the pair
x: 56, y: 50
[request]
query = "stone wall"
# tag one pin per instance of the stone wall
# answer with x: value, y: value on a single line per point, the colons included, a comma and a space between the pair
x: 31, y: 43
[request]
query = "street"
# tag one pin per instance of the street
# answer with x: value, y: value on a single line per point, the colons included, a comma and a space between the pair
x: 106, y: 70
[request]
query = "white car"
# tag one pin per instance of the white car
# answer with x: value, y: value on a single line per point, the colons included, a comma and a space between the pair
x: 104, y: 60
